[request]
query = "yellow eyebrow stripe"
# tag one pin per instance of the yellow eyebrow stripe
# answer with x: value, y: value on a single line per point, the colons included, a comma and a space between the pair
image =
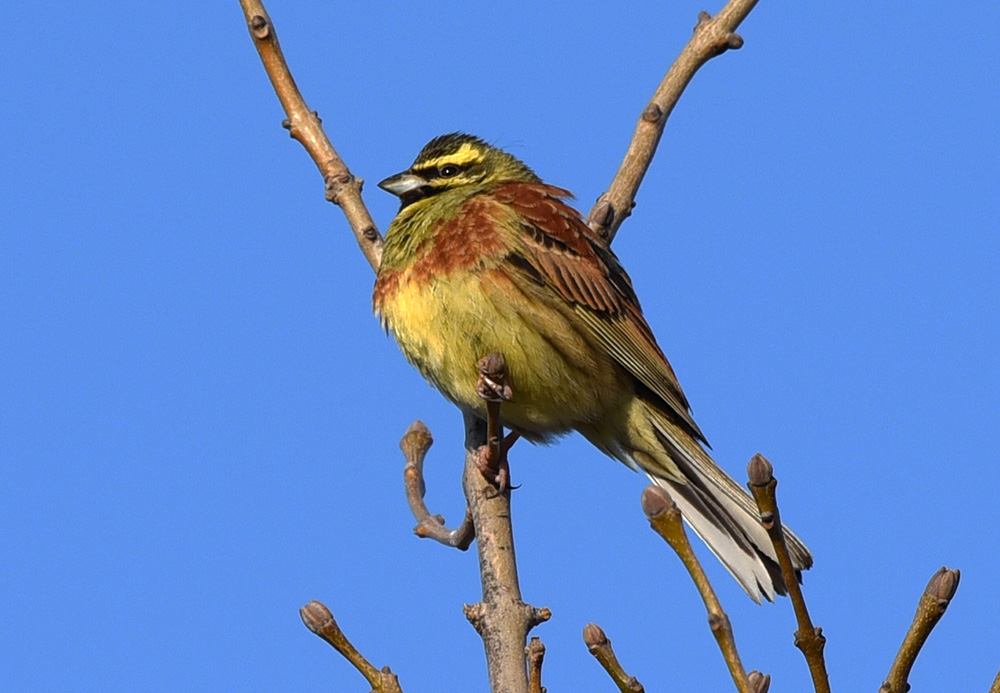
x: 466, y: 154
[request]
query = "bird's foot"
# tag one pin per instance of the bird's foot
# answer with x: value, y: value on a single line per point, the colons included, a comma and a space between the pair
x: 491, y: 460
x: 492, y: 385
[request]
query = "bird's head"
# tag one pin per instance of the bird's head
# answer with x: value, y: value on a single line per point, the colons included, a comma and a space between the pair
x: 456, y: 161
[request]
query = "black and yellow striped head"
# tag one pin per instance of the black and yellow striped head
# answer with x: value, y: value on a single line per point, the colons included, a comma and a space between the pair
x: 456, y: 161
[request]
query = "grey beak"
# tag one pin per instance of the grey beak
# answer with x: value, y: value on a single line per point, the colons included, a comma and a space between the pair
x: 402, y: 183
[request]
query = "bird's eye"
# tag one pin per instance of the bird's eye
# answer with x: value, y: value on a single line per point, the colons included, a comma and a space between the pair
x: 449, y: 171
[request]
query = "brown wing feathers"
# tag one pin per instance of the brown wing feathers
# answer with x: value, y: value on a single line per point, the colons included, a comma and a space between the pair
x: 564, y: 253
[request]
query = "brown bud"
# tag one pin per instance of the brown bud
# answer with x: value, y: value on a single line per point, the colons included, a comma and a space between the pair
x: 759, y: 471
x: 317, y: 617
x: 656, y: 501
x: 943, y: 585
x: 759, y: 682
x: 593, y: 636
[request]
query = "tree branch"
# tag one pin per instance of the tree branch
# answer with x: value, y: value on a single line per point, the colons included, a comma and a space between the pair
x: 536, y: 653
x: 807, y: 638
x: 933, y: 603
x: 502, y: 618
x: 320, y: 621
x: 712, y: 36
x: 665, y: 518
x: 415, y: 444
x: 342, y: 188
x: 599, y: 645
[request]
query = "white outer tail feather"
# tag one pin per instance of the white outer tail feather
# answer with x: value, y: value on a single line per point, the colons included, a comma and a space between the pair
x: 720, y: 511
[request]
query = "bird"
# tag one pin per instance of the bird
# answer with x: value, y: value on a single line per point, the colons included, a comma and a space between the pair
x: 485, y: 257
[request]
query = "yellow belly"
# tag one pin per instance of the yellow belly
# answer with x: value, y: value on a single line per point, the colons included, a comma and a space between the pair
x: 560, y: 380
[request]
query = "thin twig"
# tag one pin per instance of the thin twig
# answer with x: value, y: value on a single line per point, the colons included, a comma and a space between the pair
x: 599, y: 646
x: 933, y: 603
x: 342, y: 188
x: 320, y: 621
x: 712, y: 36
x: 415, y: 444
x: 536, y: 653
x: 665, y: 518
x: 502, y: 618
x: 995, y: 688
x: 808, y: 638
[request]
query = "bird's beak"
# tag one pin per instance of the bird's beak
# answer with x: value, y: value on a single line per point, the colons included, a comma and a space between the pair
x: 402, y: 183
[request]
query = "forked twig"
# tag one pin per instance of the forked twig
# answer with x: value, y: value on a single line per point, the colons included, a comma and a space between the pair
x: 415, y: 444
x: 933, y: 603
x: 599, y: 646
x: 320, y: 621
x: 712, y: 36
x: 665, y: 518
x: 808, y: 638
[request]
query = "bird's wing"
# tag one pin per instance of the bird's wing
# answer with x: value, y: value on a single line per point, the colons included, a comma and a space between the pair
x: 558, y: 250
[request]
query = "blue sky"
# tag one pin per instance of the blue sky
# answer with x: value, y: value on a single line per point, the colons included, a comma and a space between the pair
x: 199, y: 417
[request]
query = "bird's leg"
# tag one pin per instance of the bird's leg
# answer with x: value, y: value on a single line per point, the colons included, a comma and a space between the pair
x: 493, y: 387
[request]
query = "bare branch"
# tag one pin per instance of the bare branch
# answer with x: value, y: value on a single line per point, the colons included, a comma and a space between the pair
x: 995, y: 688
x: 599, y: 646
x: 342, y: 188
x: 502, y: 618
x: 807, y: 638
x: 712, y: 36
x: 665, y: 518
x: 415, y: 444
x: 536, y: 653
x: 320, y: 621
x: 933, y: 603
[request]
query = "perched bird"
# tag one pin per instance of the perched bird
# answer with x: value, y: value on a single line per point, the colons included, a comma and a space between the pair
x: 484, y: 257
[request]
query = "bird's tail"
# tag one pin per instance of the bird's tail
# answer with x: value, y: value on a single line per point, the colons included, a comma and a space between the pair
x: 722, y: 513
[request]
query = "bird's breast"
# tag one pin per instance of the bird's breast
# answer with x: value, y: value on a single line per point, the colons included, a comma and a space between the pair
x: 444, y: 322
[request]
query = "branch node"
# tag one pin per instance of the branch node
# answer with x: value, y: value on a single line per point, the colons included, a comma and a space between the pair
x: 718, y: 622
x: 335, y: 185
x: 767, y: 519
x: 538, y: 616
x: 260, y: 27
x: 476, y: 615
x: 734, y: 42
x: 602, y: 215
x: 652, y: 113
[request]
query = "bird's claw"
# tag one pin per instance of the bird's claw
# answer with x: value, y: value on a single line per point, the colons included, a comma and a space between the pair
x: 492, y: 385
x: 495, y: 471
